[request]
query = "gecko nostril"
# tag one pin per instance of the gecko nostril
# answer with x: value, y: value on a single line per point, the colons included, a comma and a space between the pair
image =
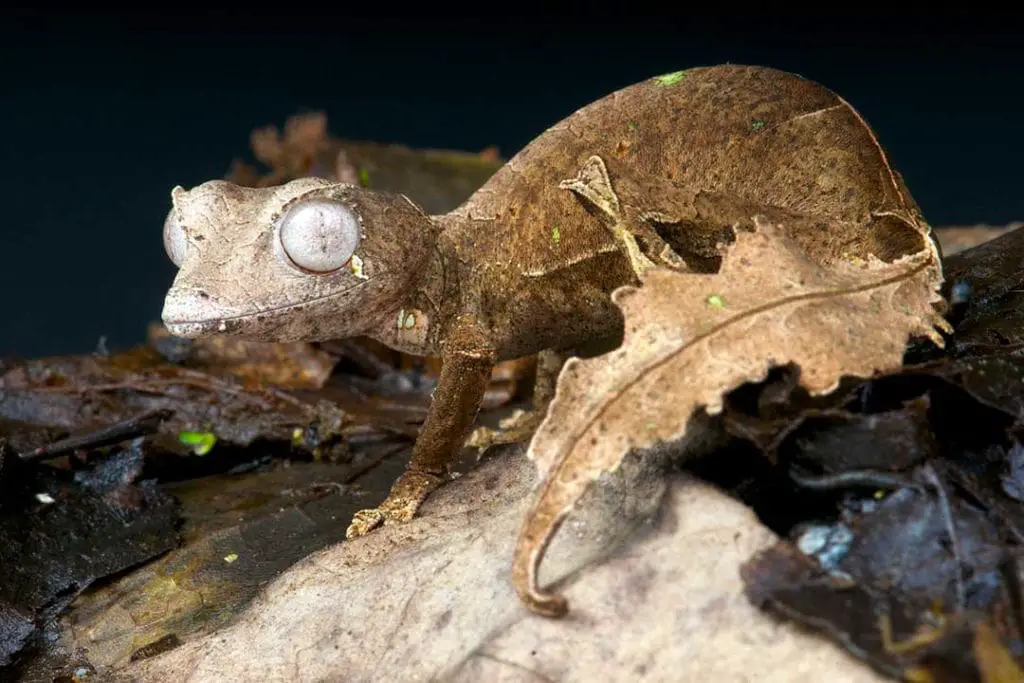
x: 202, y: 294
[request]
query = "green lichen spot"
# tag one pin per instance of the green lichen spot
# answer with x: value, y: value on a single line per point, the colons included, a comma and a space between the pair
x: 200, y: 442
x: 357, y: 267
x: 230, y: 557
x: 673, y: 78
x: 556, y: 235
x: 757, y: 125
x: 715, y: 301
x: 364, y: 177
x: 631, y: 125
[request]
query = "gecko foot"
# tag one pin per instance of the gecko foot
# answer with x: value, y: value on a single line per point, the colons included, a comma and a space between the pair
x: 516, y: 428
x: 405, y: 498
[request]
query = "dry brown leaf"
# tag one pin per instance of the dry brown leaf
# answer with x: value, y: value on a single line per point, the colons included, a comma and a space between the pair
x: 306, y: 133
x: 429, y: 600
x: 294, y: 152
x: 266, y: 145
x: 691, y: 338
x: 295, y: 365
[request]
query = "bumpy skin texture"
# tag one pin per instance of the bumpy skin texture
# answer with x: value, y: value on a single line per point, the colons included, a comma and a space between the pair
x: 655, y: 174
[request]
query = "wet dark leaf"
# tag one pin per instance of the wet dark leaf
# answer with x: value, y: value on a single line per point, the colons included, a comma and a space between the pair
x: 61, y: 531
x: 993, y: 320
x: 1013, y: 479
x: 832, y: 441
x: 915, y: 554
x: 81, y: 394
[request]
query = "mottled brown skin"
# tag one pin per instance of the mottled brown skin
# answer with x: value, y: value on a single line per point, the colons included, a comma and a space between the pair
x: 528, y: 263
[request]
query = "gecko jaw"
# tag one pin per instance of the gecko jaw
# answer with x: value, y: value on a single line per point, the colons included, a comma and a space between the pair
x: 191, y: 329
x: 188, y: 330
x: 182, y: 310
x: 268, y: 326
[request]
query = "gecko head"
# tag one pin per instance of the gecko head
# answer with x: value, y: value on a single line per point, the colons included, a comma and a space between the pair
x: 307, y: 260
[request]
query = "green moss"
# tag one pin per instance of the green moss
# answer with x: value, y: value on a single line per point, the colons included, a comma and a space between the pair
x: 364, y: 177
x: 715, y: 301
x: 556, y: 235
x: 757, y: 125
x: 673, y: 78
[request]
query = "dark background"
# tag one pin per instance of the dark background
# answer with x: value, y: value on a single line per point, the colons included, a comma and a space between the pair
x: 104, y: 112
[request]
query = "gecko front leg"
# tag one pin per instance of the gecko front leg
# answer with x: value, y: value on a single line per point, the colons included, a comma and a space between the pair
x: 467, y: 358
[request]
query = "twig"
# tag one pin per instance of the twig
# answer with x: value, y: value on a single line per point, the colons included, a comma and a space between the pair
x: 947, y: 514
x: 130, y: 428
x: 924, y: 636
x: 857, y: 478
x: 186, y: 378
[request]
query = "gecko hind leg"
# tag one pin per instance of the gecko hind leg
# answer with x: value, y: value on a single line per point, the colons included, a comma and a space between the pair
x: 520, y: 425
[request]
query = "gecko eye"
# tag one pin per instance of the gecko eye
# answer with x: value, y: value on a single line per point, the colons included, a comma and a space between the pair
x: 175, y: 241
x: 320, y: 235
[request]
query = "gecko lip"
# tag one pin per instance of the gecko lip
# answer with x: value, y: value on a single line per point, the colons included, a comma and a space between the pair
x: 190, y: 329
x: 244, y: 324
x: 220, y: 324
x: 223, y: 324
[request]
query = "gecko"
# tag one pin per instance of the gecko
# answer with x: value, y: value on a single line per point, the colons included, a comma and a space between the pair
x: 658, y: 174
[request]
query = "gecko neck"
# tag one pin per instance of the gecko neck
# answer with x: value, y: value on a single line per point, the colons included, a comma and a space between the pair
x: 415, y: 324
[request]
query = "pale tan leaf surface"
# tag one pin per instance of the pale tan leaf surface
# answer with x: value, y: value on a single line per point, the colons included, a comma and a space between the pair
x: 955, y: 239
x: 691, y: 338
x: 661, y: 598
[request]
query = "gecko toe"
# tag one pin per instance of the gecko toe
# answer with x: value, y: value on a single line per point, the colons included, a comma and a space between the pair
x: 363, y: 522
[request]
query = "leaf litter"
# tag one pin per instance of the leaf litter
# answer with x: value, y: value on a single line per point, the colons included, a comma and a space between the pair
x: 821, y: 471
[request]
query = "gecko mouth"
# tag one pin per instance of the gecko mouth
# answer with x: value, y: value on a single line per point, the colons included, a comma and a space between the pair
x: 235, y: 324
x: 260, y: 323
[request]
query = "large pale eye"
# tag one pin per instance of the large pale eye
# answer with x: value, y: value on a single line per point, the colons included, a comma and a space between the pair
x: 320, y: 235
x: 175, y: 241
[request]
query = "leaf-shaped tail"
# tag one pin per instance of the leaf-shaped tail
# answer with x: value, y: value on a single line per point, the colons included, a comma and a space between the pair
x: 542, y: 523
x: 691, y: 338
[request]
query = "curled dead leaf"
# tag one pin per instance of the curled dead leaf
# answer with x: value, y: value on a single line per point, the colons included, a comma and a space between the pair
x: 691, y: 338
